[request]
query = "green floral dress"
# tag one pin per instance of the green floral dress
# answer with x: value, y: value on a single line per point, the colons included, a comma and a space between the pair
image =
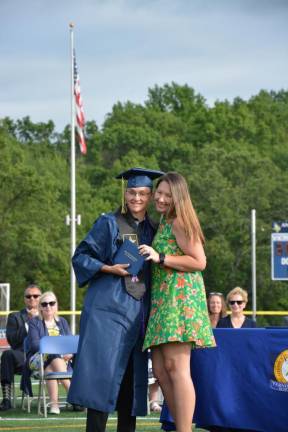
x: 178, y: 301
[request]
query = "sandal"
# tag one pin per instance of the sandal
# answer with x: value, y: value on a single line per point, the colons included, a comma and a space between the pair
x: 155, y: 407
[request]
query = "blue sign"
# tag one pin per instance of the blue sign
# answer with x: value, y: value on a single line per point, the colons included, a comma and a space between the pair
x: 279, y: 256
x: 280, y: 227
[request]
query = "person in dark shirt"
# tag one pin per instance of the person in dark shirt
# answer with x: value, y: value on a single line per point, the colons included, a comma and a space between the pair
x: 49, y: 323
x: 237, y: 300
x: 12, y: 360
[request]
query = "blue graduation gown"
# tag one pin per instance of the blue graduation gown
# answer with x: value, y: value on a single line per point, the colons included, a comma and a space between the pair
x: 111, y: 326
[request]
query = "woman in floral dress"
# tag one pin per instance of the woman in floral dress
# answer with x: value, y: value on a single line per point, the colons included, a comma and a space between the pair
x: 178, y: 318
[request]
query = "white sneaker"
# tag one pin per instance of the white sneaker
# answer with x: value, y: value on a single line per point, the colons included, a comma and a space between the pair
x: 54, y: 409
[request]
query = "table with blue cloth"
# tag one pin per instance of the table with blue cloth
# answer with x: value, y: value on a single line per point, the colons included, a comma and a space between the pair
x: 242, y: 383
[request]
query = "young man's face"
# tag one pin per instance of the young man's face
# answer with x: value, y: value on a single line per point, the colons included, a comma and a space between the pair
x: 137, y: 200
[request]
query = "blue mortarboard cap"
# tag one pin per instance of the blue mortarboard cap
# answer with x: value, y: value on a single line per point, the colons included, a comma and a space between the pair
x: 140, y: 177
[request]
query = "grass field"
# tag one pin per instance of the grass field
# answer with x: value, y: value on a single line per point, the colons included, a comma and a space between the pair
x: 20, y: 420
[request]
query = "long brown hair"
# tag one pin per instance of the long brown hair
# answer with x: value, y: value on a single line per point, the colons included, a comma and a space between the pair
x: 182, y: 206
x: 223, y: 312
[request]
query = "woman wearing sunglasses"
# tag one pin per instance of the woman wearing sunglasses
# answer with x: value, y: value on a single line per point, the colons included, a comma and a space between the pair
x: 48, y: 323
x: 237, y: 300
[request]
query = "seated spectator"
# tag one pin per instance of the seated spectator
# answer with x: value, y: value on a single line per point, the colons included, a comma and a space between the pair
x: 12, y: 360
x: 237, y: 300
x: 154, y: 388
x: 48, y: 323
x: 216, y: 307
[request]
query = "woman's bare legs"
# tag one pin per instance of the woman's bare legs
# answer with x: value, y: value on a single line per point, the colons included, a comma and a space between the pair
x: 175, y: 381
x: 154, y: 397
x: 163, y: 378
x: 57, y: 365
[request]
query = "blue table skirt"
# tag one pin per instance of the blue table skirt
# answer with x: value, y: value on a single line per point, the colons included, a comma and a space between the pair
x: 238, y: 383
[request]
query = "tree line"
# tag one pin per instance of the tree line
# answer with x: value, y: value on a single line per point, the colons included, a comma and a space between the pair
x: 234, y: 156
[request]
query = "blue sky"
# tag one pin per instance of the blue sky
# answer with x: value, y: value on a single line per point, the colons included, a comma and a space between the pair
x: 221, y: 48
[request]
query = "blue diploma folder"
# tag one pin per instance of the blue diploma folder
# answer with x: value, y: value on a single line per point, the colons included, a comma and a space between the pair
x: 128, y: 254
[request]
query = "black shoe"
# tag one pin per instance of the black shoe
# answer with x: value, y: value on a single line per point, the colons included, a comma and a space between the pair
x: 78, y: 408
x: 5, y: 405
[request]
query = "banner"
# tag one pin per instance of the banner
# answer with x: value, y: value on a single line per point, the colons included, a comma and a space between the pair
x: 243, y: 382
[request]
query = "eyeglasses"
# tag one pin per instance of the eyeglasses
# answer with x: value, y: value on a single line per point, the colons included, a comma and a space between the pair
x: 239, y: 302
x: 29, y: 296
x: 215, y: 293
x: 141, y: 194
x: 45, y: 304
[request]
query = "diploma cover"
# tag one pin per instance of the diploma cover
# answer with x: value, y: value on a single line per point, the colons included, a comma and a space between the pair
x: 128, y: 254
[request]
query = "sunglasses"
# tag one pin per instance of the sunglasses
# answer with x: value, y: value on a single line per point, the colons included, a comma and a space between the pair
x: 215, y: 293
x: 29, y: 296
x: 45, y: 304
x: 239, y: 302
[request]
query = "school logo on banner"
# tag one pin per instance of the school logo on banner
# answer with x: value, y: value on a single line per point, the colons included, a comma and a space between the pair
x: 281, y: 372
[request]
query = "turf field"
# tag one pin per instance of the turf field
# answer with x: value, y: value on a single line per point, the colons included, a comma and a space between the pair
x: 20, y: 420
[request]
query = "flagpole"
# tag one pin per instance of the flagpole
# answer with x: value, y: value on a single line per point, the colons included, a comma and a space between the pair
x: 253, y: 258
x: 72, y: 189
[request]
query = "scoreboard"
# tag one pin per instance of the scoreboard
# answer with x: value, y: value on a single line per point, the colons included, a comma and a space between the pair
x: 279, y: 256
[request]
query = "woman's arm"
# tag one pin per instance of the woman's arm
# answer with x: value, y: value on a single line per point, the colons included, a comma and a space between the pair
x: 194, y: 258
x: 66, y: 331
x: 34, y: 335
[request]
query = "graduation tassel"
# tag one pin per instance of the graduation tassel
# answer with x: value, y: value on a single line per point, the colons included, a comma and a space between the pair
x: 123, y: 209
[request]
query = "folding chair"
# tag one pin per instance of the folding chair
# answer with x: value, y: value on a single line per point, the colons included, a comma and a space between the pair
x: 14, y: 391
x: 34, y: 377
x: 54, y: 345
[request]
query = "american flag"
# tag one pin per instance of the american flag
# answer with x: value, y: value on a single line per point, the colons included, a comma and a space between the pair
x: 80, y: 120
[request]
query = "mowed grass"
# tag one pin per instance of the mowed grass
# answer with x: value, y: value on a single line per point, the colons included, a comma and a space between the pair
x: 20, y: 420
x: 68, y: 424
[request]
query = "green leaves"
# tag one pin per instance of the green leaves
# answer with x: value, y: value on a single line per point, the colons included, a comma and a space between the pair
x: 233, y: 155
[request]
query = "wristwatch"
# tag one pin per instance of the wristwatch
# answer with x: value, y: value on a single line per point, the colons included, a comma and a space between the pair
x: 161, y: 258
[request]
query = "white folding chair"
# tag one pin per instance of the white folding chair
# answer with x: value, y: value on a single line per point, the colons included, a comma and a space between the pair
x: 26, y: 396
x: 54, y: 345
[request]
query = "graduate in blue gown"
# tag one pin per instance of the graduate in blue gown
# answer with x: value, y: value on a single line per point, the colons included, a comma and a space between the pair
x: 111, y: 370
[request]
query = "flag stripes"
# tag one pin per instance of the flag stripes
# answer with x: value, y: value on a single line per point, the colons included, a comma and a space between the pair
x: 79, y: 112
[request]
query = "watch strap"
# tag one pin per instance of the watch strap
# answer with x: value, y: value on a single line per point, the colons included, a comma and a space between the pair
x: 161, y: 258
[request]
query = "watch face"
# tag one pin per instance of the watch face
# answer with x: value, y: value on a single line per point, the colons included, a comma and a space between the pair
x: 132, y: 237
